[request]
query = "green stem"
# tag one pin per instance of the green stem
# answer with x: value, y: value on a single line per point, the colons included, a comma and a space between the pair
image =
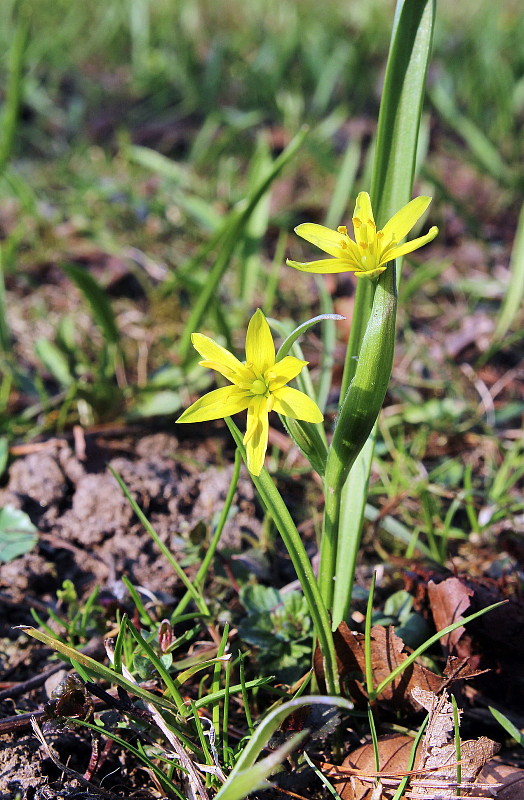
x: 358, y: 413
x: 275, y: 506
x: 391, y: 188
x: 367, y: 638
x: 362, y: 309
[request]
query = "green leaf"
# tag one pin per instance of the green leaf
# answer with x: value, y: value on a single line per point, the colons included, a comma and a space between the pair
x: 54, y: 361
x: 391, y: 189
x: 156, y: 162
x: 508, y: 726
x: 159, y: 403
x: 247, y: 775
x: 427, y: 644
x: 13, y: 90
x: 4, y: 454
x: 233, y: 232
x: 98, y: 669
x: 97, y: 299
x: 515, y: 291
x: 486, y: 153
x: 401, y: 107
x: 288, y: 343
x: 18, y: 535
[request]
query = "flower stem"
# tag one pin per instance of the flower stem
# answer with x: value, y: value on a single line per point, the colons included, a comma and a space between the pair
x: 358, y: 413
x: 275, y: 506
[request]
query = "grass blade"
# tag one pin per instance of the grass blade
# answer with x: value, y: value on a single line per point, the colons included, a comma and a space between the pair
x: 238, y: 784
x: 515, y: 291
x: 97, y: 300
x: 13, y: 92
x: 230, y: 242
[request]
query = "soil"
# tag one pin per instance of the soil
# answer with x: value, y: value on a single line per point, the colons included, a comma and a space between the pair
x: 89, y: 535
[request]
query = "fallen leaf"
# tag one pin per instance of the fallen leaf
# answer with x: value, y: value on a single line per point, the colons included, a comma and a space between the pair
x: 437, y: 757
x: 510, y: 780
x: 356, y: 776
x: 449, y: 600
x: 435, y: 768
x: 387, y: 652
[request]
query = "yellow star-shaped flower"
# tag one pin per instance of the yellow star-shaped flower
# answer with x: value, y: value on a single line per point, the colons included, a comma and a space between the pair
x: 371, y: 251
x: 259, y: 385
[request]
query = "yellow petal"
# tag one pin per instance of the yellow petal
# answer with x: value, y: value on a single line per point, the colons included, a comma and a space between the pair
x: 256, y: 435
x: 260, y: 348
x: 363, y: 210
x: 325, y: 265
x: 401, y: 223
x: 217, y: 404
x: 414, y: 244
x: 284, y: 371
x: 331, y: 242
x: 292, y: 403
x: 215, y: 356
x: 240, y: 377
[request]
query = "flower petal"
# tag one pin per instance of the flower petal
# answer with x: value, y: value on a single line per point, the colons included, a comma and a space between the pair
x: 284, y: 371
x: 331, y: 242
x: 260, y: 348
x: 217, y: 404
x: 324, y: 266
x: 414, y: 244
x: 363, y: 210
x: 240, y: 377
x: 215, y: 356
x: 256, y: 435
x: 401, y: 223
x: 292, y: 403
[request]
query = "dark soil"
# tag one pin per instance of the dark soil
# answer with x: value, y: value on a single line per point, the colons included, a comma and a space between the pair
x: 88, y: 534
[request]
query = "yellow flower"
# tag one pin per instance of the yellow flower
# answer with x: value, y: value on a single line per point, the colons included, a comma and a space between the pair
x: 259, y: 385
x: 371, y: 251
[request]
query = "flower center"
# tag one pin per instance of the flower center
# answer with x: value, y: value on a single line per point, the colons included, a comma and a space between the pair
x: 258, y: 387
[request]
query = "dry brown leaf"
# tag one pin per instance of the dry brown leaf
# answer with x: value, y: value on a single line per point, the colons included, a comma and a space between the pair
x: 387, y: 652
x: 460, y: 669
x: 449, y: 600
x: 510, y: 778
x: 356, y: 775
x: 435, y: 772
x: 438, y: 758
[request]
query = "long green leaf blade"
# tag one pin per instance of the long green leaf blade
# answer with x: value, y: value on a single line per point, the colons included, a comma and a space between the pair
x: 97, y: 299
x: 392, y: 184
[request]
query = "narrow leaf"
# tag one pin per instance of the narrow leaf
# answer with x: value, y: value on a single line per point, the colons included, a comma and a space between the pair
x: 97, y: 300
